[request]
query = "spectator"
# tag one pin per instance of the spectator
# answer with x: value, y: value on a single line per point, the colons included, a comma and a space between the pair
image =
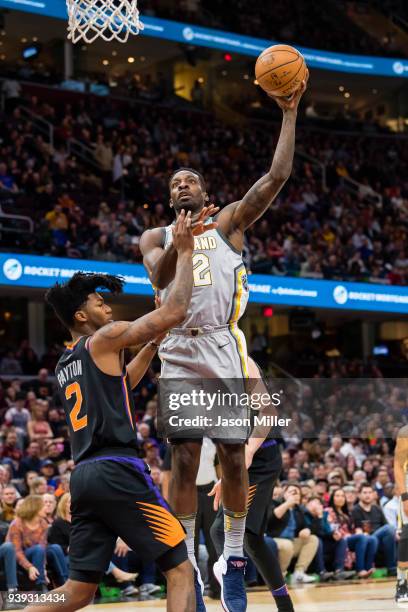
x: 38, y: 486
x: 28, y: 534
x: 350, y: 492
x: 362, y: 544
x: 38, y: 428
x: 10, y: 365
x: 287, y: 526
x: 11, y: 455
x: 41, y: 386
x: 369, y: 518
x: 61, y: 527
x: 381, y: 481
x: 50, y: 506
x: 32, y: 461
x: 332, y: 544
x: 9, y: 497
x: 50, y: 471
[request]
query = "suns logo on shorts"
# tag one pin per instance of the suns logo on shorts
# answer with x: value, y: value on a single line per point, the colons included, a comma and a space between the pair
x: 166, y: 528
x: 251, y: 495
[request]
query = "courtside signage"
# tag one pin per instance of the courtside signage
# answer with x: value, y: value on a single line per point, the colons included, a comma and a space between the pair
x: 229, y: 41
x: 41, y: 272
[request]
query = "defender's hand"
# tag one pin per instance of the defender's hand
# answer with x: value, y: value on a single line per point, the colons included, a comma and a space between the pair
x: 199, y: 226
x: 183, y: 239
x: 291, y: 103
x: 216, y: 491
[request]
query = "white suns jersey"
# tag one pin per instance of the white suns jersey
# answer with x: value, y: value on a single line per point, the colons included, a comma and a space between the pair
x: 220, y: 288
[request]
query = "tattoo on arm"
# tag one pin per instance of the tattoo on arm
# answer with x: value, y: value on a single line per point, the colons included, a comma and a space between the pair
x: 264, y: 191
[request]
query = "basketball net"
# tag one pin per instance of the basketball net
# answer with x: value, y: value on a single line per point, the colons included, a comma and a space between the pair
x: 107, y: 19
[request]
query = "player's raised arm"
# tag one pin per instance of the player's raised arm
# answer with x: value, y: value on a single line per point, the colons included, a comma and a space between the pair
x: 121, y: 334
x: 241, y: 215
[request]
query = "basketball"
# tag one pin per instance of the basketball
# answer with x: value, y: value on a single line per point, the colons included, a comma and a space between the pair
x: 280, y: 70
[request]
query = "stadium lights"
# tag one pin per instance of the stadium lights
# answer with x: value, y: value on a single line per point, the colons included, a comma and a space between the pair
x: 256, y: 82
x: 105, y: 62
x: 131, y: 60
x: 35, y: 39
x: 114, y: 53
x: 246, y: 77
x: 24, y: 40
x: 200, y: 80
x: 341, y: 88
x: 346, y: 95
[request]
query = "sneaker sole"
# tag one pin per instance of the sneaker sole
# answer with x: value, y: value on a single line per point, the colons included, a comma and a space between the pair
x: 218, y: 575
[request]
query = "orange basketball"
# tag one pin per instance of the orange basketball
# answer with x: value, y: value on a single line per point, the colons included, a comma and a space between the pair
x: 280, y: 70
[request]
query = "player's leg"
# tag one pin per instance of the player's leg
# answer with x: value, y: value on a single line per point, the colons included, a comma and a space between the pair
x: 183, y: 499
x: 268, y: 566
x: 71, y: 596
x: 230, y: 567
x: 264, y: 558
x: 401, y: 595
x: 138, y: 514
x: 178, y: 570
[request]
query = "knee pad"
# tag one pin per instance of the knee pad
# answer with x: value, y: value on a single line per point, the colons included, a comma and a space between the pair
x: 403, y: 544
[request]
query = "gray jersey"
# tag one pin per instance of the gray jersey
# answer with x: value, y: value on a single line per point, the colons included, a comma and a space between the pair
x: 220, y: 291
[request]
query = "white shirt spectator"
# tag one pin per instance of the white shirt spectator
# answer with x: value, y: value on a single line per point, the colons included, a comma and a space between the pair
x: 391, y: 511
x: 356, y: 451
x: 18, y: 418
x: 206, y: 471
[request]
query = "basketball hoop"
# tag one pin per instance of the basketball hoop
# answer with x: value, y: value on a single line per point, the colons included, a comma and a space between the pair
x: 107, y: 19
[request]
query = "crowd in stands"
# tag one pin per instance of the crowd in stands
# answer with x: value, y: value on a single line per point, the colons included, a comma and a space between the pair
x: 302, y: 23
x: 315, y: 229
x: 333, y: 515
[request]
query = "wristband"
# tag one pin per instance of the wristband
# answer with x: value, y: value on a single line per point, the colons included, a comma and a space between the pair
x: 404, y: 497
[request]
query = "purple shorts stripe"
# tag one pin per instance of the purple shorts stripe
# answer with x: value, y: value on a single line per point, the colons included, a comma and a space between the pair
x: 140, y: 465
x: 268, y: 443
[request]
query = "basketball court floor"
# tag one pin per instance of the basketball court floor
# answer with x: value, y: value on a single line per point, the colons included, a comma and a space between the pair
x: 355, y: 597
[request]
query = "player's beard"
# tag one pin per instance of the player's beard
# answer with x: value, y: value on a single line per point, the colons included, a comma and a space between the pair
x: 194, y: 205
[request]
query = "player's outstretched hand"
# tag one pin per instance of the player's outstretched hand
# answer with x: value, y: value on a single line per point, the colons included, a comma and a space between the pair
x: 183, y: 239
x: 199, y: 225
x: 291, y: 103
x: 216, y: 491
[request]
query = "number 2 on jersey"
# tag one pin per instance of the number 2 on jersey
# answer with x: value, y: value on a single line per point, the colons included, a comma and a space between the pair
x: 76, y: 422
x: 201, y: 270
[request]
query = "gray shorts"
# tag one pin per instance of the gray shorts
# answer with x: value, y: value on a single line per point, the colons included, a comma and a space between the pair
x: 215, y: 353
x: 214, y: 361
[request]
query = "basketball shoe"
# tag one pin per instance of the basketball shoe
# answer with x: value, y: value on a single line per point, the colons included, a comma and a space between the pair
x: 231, y: 576
x: 401, y: 594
